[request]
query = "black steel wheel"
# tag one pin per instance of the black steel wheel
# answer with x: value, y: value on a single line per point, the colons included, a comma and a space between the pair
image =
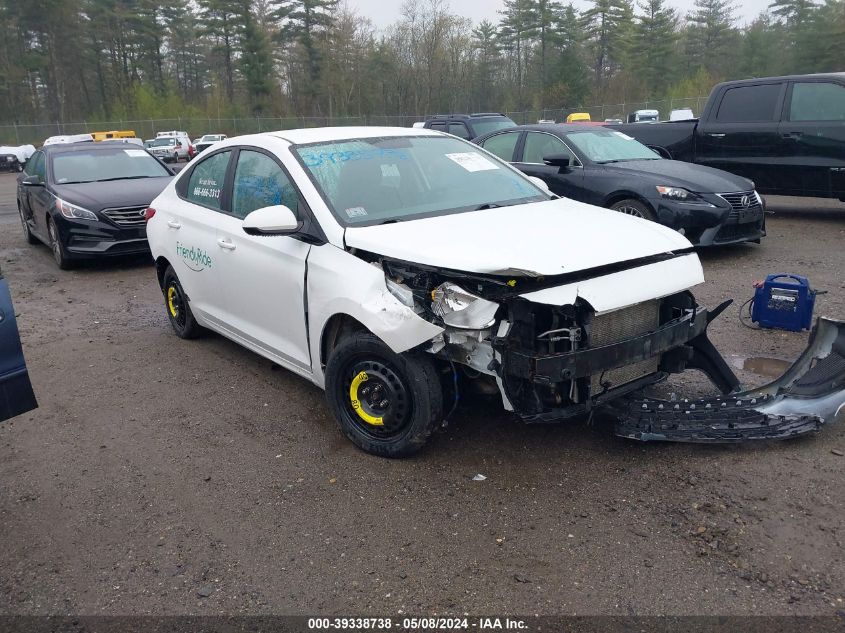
x: 178, y: 308
x: 388, y: 404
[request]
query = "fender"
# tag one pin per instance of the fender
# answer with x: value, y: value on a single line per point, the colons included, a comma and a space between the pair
x: 363, y: 296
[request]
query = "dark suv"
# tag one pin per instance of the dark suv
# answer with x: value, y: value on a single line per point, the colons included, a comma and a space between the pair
x: 469, y: 126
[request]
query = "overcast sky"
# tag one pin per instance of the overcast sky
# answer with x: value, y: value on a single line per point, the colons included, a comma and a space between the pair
x: 385, y: 12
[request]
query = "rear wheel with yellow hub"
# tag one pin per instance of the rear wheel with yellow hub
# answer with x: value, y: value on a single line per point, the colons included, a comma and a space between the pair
x: 386, y: 403
x: 177, y: 307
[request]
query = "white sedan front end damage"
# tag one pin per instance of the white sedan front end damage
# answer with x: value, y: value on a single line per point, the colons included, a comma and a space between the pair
x: 396, y: 267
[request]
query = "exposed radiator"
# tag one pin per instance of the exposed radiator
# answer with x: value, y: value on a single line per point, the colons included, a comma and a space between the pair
x: 620, y: 325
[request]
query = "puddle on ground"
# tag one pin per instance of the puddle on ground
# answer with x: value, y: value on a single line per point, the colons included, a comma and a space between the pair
x: 761, y: 365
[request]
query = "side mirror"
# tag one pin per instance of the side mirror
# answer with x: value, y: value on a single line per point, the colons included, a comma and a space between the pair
x: 540, y: 183
x: 275, y: 220
x: 557, y: 160
x: 32, y: 181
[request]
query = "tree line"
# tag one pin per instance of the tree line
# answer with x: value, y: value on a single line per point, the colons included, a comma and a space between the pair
x: 139, y: 59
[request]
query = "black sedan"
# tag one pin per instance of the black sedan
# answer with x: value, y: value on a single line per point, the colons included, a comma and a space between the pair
x: 606, y: 168
x: 88, y: 199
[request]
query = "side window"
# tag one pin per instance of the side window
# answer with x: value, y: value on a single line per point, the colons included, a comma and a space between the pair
x: 749, y: 104
x: 37, y: 167
x: 440, y: 127
x: 539, y: 145
x: 817, y: 101
x: 260, y: 182
x: 502, y: 145
x: 205, y: 186
x: 460, y: 130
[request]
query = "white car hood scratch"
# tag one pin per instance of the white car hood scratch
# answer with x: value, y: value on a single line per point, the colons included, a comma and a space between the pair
x: 537, y: 239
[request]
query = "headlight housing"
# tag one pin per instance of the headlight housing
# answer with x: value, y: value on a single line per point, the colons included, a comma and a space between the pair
x: 74, y: 212
x: 461, y: 309
x: 679, y: 194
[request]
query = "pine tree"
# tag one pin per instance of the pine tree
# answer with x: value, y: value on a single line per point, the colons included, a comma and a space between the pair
x: 607, y: 25
x: 255, y: 61
x: 710, y: 31
x: 222, y: 20
x: 653, y: 45
x: 302, y: 23
x: 487, y: 55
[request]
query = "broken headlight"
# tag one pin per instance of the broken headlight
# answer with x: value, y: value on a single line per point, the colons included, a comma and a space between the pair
x: 461, y: 309
x: 401, y: 292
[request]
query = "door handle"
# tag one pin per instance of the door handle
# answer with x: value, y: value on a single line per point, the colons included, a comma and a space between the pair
x: 716, y: 134
x: 794, y: 135
x: 229, y: 246
x: 173, y: 224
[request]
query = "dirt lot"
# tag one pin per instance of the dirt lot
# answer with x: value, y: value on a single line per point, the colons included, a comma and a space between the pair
x: 162, y: 476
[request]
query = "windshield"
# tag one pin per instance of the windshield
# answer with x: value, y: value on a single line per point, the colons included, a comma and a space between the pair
x: 209, y: 138
x: 96, y: 166
x: 605, y: 146
x: 492, y: 125
x: 377, y: 180
x: 163, y: 142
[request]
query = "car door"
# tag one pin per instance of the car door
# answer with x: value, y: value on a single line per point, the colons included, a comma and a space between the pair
x: 262, y: 278
x: 567, y: 182
x: 192, y: 222
x: 813, y: 130
x: 37, y: 200
x: 741, y: 134
x: 16, y: 395
x: 503, y: 145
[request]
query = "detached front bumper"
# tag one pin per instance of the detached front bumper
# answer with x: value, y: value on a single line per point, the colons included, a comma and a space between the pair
x: 810, y: 393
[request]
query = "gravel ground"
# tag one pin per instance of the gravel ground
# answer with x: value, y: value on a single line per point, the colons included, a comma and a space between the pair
x: 162, y: 476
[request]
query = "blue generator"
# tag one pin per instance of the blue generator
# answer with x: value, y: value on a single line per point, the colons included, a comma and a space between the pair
x: 785, y: 302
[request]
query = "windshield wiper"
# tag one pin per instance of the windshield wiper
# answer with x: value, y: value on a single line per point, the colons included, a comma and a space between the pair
x: 623, y: 160
x: 122, y: 178
x: 489, y: 205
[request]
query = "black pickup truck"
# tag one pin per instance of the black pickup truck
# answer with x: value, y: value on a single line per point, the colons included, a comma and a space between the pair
x: 787, y: 134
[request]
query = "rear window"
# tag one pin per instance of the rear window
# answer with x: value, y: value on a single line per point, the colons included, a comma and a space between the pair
x: 485, y: 126
x: 817, y: 101
x: 749, y: 103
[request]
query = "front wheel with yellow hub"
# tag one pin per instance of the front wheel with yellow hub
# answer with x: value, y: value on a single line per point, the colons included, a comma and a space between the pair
x: 177, y: 307
x: 388, y: 404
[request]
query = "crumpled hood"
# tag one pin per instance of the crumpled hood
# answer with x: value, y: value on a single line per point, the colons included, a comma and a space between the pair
x: 537, y: 239
x: 675, y: 173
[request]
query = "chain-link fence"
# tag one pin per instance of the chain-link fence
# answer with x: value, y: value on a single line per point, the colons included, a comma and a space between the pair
x: 197, y: 126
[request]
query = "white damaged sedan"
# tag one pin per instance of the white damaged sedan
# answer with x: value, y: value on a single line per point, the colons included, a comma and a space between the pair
x: 396, y: 267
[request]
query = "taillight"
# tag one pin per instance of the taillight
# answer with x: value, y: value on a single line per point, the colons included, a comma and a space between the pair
x: 149, y: 212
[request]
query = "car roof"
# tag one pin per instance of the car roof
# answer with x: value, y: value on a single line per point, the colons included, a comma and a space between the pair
x: 462, y: 117
x: 326, y: 134
x: 758, y: 80
x: 560, y: 128
x: 87, y: 146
